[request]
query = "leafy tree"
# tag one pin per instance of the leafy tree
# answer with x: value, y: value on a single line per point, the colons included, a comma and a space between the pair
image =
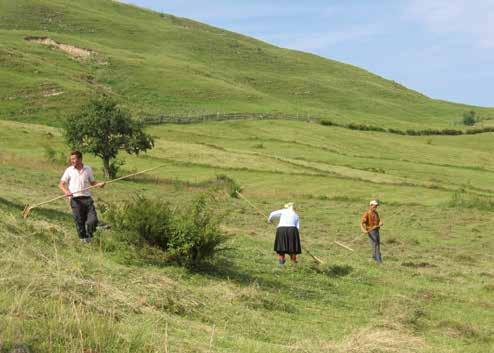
x: 469, y: 118
x: 103, y: 129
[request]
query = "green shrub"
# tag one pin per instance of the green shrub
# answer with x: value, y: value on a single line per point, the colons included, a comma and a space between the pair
x: 479, y: 130
x: 469, y: 118
x: 363, y: 127
x: 430, y: 132
x: 451, y: 132
x: 396, y: 131
x: 143, y: 221
x: 196, y: 236
x: 188, y: 237
x: 327, y: 122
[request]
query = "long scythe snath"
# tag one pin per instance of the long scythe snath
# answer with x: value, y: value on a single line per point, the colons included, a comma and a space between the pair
x: 29, y: 208
x: 318, y: 260
x: 349, y: 248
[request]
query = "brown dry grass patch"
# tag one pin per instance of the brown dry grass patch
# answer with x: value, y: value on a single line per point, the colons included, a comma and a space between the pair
x: 382, y: 339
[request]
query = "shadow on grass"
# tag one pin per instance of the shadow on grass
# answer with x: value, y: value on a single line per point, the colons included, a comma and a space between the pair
x: 225, y: 269
x: 286, y: 279
x: 219, y: 268
x: 9, y: 205
x: 334, y: 271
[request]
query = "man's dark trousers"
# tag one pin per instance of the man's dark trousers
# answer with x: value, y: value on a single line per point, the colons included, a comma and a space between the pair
x: 85, y: 216
x: 375, y: 241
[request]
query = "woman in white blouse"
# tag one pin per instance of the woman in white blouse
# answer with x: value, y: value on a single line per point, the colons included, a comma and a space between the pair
x: 287, y: 233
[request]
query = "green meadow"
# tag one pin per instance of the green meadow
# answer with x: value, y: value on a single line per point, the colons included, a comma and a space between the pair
x: 433, y: 293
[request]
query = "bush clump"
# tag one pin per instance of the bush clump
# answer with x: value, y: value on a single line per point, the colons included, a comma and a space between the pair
x: 470, y: 118
x: 196, y: 235
x: 188, y: 237
x: 479, y: 130
x: 451, y: 132
x: 326, y: 122
x: 363, y: 127
x: 396, y: 131
x: 143, y: 221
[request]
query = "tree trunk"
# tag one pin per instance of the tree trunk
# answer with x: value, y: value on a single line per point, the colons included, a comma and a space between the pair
x: 106, y: 168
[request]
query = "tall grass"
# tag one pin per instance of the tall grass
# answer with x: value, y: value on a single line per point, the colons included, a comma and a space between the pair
x: 460, y: 199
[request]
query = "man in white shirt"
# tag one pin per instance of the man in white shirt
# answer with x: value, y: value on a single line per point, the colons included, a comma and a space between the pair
x: 74, y: 180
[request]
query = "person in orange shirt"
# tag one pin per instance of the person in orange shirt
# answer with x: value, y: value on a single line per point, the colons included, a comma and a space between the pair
x: 370, y: 223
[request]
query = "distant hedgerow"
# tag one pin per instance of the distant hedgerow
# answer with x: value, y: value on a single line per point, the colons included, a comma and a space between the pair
x: 327, y: 122
x: 479, y: 130
x: 396, y: 131
x: 451, y: 132
x: 363, y: 127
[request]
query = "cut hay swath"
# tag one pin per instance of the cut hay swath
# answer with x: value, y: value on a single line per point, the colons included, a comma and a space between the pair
x: 265, y: 216
x: 27, y: 210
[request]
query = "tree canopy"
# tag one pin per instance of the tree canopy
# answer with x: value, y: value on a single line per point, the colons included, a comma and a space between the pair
x: 104, y: 129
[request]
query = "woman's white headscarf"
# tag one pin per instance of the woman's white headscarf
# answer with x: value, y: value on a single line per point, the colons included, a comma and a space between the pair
x: 290, y: 205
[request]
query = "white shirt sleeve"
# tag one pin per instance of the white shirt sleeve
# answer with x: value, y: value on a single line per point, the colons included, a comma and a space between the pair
x: 274, y: 214
x: 298, y: 223
x: 90, y: 175
x: 65, y: 177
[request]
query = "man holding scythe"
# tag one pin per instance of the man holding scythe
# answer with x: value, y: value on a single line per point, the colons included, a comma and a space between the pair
x: 73, y: 183
x: 370, y: 223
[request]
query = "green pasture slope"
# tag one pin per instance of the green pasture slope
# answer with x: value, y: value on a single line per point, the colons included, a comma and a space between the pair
x: 161, y: 64
x: 433, y: 293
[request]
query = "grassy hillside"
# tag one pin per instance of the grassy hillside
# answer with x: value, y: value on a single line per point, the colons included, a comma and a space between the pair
x: 161, y: 64
x: 432, y: 294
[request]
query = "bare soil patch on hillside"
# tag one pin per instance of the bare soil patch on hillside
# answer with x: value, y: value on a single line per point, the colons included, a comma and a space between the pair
x: 72, y: 50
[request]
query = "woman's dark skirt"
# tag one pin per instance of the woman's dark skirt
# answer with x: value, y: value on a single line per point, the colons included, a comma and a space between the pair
x: 287, y: 240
